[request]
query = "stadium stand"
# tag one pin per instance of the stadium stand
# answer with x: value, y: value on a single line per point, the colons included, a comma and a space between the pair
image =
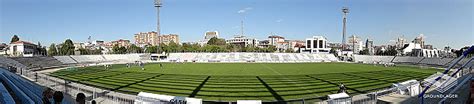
x: 23, y: 95
x: 407, y: 59
x: 251, y: 57
x: 88, y: 58
x: 373, y: 59
x: 436, y: 61
x: 6, y: 98
x: 65, y: 59
x: 121, y: 58
x: 34, y: 63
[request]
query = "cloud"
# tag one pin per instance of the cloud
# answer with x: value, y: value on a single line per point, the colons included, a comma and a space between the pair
x: 244, y: 10
x: 279, y: 20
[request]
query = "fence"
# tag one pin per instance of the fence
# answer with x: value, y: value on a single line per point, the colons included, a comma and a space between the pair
x: 73, y: 88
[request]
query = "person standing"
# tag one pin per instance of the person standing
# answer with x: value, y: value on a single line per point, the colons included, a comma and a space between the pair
x: 142, y: 65
x: 58, y: 97
x: 47, y: 94
x: 161, y: 65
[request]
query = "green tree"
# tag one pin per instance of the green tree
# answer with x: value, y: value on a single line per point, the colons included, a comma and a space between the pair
x: 174, y: 47
x: 15, y: 39
x: 118, y: 49
x: 134, y: 49
x: 290, y: 50
x: 216, y: 41
x: 364, y: 52
x: 186, y: 47
x: 84, y: 51
x: 67, y: 48
x: 391, y: 51
x: 196, y: 47
x: 151, y: 49
x: 271, y: 49
x: 52, y: 50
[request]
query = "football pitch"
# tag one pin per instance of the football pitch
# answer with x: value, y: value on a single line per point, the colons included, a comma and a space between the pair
x: 245, y: 81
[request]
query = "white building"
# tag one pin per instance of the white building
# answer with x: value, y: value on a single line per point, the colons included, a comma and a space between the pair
x: 316, y: 44
x: 355, y: 44
x: 274, y: 40
x: 22, y: 48
x: 210, y: 34
x: 207, y: 36
x: 243, y: 41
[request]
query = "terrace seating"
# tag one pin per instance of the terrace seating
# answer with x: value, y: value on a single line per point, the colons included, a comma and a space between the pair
x: 373, y: 59
x: 407, y: 59
x: 436, y: 61
x: 10, y: 62
x: 121, y: 58
x: 65, y: 59
x: 88, y: 58
x: 38, y: 62
x: 251, y: 57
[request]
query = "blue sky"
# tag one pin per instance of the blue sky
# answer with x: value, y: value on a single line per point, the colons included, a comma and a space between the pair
x: 443, y: 22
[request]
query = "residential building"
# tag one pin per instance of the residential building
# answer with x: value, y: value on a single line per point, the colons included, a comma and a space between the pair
x: 121, y: 43
x: 243, y: 41
x: 369, y: 45
x: 146, y: 38
x: 355, y: 44
x: 210, y: 34
x: 274, y: 40
x: 295, y: 45
x: 166, y: 39
x: 23, y: 48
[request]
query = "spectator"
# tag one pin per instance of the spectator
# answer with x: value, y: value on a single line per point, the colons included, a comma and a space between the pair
x: 93, y: 102
x: 47, y: 94
x: 58, y: 97
x: 80, y: 98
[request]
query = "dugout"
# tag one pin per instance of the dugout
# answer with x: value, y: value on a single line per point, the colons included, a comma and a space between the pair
x: 156, y: 57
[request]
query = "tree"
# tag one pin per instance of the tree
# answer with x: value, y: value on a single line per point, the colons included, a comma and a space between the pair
x: 67, y: 48
x: 174, y: 47
x: 196, y: 47
x: 216, y: 41
x: 134, y: 49
x: 364, y: 52
x: 52, y: 50
x: 290, y: 50
x: 151, y: 49
x: 271, y: 49
x: 83, y: 51
x: 186, y: 47
x: 15, y: 39
x: 119, y: 49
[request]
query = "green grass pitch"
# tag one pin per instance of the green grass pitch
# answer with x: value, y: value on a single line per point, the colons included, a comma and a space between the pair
x: 245, y: 81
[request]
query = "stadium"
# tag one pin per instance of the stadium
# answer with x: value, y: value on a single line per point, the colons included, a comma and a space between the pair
x: 128, y: 58
x: 225, y: 77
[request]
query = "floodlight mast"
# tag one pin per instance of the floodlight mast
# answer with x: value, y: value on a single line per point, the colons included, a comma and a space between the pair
x: 345, y: 11
x: 158, y: 32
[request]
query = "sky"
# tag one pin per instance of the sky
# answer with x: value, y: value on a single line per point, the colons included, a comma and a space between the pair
x: 443, y: 22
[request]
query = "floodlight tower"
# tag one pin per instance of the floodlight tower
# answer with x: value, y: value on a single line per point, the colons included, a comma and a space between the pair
x: 158, y: 5
x: 345, y: 10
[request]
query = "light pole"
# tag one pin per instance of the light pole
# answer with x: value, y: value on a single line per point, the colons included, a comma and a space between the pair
x: 158, y: 5
x: 345, y: 10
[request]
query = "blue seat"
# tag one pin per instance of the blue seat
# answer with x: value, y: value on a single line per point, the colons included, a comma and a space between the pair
x: 24, y: 98
x: 27, y: 89
x: 6, y: 98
